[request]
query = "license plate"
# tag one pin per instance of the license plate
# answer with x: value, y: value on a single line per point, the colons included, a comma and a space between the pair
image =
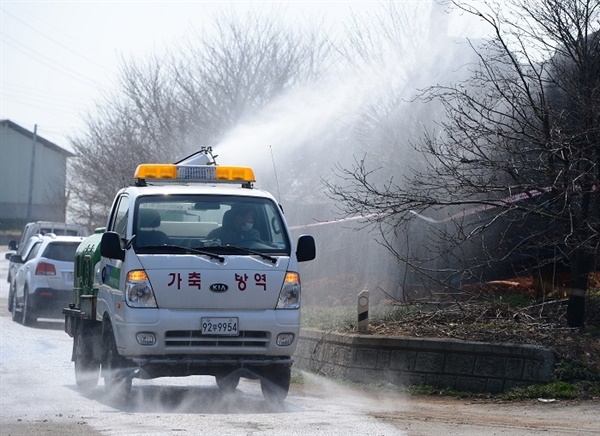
x: 68, y: 277
x: 219, y: 326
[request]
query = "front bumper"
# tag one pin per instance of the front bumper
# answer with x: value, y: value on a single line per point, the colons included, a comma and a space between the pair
x: 178, y: 333
x: 249, y: 366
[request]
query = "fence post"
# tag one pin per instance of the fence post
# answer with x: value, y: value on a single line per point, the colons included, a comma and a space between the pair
x: 363, y: 311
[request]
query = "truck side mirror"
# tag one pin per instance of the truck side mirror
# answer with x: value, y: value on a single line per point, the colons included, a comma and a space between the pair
x: 12, y: 245
x: 110, y: 246
x: 306, y: 249
x: 15, y: 258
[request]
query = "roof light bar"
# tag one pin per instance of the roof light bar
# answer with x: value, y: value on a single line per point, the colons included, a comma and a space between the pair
x: 194, y: 173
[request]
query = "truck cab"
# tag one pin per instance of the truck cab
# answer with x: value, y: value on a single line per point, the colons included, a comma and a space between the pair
x: 194, y: 274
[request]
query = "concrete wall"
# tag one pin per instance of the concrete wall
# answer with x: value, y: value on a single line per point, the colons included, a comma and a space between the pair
x: 460, y: 365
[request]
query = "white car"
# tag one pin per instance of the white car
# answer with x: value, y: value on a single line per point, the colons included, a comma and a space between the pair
x: 43, y: 284
x: 41, y: 228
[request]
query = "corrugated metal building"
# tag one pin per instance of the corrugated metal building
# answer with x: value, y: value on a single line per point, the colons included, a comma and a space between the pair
x: 48, y: 196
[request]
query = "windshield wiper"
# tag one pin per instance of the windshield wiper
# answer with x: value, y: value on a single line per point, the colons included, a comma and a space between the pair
x: 188, y: 250
x: 128, y: 243
x: 258, y: 253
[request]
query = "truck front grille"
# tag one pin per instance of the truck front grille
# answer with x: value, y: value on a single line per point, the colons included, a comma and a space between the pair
x: 194, y: 338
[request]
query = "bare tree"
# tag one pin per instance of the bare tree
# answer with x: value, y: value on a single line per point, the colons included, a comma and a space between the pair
x: 167, y: 106
x: 247, y: 63
x: 508, y: 180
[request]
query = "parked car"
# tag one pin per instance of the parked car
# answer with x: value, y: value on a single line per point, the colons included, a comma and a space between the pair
x: 41, y: 228
x: 43, y: 283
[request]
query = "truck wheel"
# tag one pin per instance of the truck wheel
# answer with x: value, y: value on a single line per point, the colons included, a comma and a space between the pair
x: 16, y: 315
x: 11, y: 291
x: 29, y: 318
x: 275, y: 383
x: 87, y: 371
x: 116, y: 382
x: 227, y: 382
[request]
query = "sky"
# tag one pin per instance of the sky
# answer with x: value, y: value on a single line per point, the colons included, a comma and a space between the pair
x: 58, y: 58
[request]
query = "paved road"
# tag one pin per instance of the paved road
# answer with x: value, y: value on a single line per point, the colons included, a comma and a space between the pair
x: 38, y: 396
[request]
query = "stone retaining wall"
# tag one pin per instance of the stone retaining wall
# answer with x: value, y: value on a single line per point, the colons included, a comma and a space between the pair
x: 460, y: 365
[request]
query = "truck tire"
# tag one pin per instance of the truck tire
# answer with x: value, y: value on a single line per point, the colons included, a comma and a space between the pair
x: 11, y: 291
x: 16, y: 315
x: 275, y: 383
x: 87, y: 370
x: 29, y: 318
x: 227, y: 382
x: 116, y: 381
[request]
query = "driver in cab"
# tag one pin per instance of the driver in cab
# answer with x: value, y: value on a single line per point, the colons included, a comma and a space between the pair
x: 237, y: 227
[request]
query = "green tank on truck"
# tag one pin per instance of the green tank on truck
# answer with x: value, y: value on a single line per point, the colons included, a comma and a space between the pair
x: 195, y: 273
x: 79, y: 316
x: 87, y: 257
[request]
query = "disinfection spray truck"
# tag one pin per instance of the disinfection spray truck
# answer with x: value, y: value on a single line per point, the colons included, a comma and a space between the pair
x: 195, y: 273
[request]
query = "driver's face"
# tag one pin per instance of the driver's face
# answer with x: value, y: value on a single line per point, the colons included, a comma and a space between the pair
x: 242, y: 220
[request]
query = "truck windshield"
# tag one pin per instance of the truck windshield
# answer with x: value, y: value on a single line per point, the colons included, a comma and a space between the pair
x: 220, y: 224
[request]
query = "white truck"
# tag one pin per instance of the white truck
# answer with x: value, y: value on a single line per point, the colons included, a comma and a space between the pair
x: 194, y: 274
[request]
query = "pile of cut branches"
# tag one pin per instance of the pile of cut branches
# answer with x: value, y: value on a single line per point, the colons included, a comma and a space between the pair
x: 485, y: 318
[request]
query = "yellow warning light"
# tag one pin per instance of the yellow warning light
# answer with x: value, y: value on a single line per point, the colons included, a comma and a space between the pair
x: 156, y: 171
x: 243, y: 174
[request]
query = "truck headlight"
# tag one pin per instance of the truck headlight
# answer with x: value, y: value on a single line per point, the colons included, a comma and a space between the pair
x: 289, y: 296
x: 138, y: 291
x: 285, y: 339
x: 146, y: 338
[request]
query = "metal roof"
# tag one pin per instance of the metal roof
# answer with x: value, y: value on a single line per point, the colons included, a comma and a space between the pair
x: 23, y: 131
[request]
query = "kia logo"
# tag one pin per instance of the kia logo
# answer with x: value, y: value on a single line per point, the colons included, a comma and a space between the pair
x: 218, y: 287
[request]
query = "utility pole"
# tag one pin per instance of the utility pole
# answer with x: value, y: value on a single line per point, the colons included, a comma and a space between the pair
x: 31, y: 172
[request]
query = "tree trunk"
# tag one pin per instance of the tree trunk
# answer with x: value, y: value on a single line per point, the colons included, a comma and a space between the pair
x: 579, y: 283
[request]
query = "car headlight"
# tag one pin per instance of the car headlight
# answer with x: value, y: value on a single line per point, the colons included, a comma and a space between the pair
x: 289, y: 296
x: 138, y: 291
